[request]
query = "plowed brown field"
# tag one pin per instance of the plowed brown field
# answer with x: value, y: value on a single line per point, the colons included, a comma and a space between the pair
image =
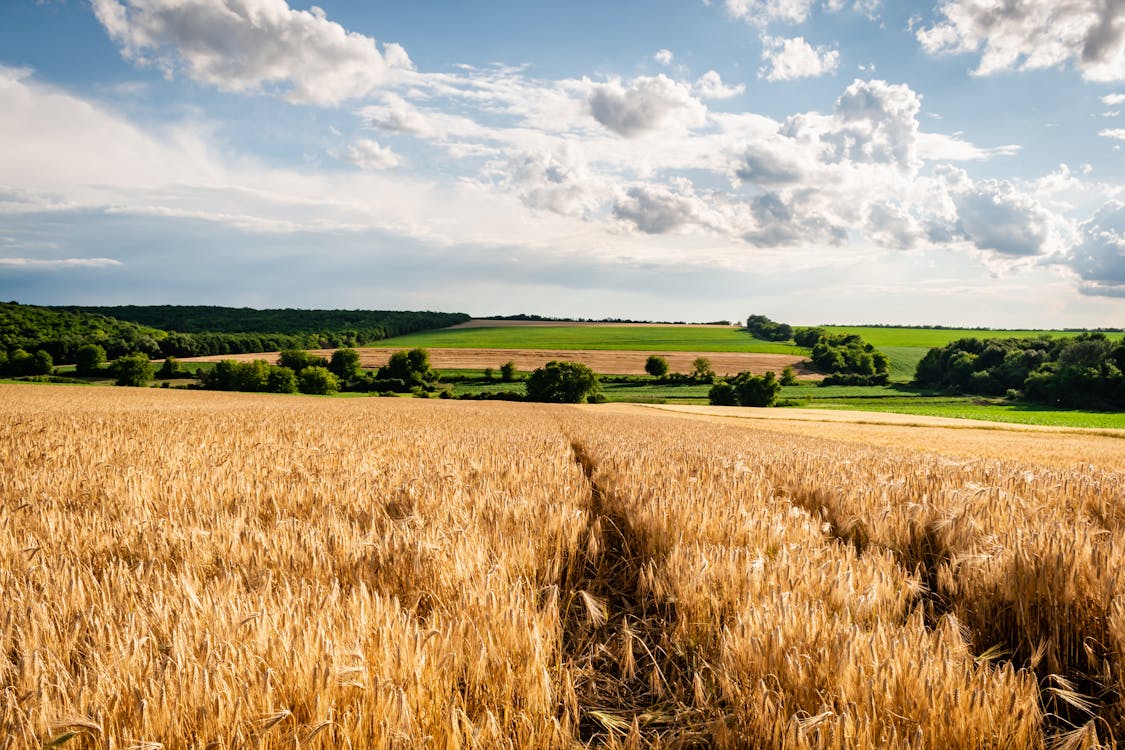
x: 603, y: 362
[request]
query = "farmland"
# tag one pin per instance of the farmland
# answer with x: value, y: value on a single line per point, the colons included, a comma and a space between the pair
x: 668, y: 338
x: 194, y: 569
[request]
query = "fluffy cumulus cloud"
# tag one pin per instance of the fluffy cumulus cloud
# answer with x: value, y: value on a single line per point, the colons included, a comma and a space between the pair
x: 1030, y: 34
x: 1099, y: 258
x: 994, y: 216
x: 252, y: 45
x: 1115, y: 133
x: 370, y: 155
x: 558, y: 181
x: 647, y: 103
x: 663, y: 209
x: 787, y: 59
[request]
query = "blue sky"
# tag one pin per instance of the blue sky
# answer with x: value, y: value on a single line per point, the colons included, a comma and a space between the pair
x: 939, y: 162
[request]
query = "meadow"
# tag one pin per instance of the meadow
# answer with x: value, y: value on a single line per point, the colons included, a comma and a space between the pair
x: 222, y: 570
x: 669, y: 338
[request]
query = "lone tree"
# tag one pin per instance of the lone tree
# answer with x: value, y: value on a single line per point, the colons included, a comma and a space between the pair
x: 88, y: 359
x: 508, y: 371
x: 562, y: 383
x: 701, y: 370
x: 656, y: 366
x: 789, y: 376
x: 134, y: 370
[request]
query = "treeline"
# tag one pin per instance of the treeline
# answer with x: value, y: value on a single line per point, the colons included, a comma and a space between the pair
x: 549, y: 319
x: 845, y: 357
x: 194, y: 331
x: 1085, y: 371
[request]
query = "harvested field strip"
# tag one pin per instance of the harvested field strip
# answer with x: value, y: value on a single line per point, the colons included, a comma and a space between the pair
x: 604, y: 362
x: 237, y: 570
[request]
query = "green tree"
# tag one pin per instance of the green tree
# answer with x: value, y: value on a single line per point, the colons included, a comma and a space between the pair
x: 42, y: 363
x: 488, y: 374
x: 656, y: 366
x: 789, y: 376
x: 133, y: 369
x: 345, y: 364
x: 756, y: 390
x: 3, y: 361
x: 298, y: 359
x: 701, y: 370
x: 411, y: 367
x: 88, y: 359
x: 281, y: 380
x: 562, y: 383
x: 20, y: 362
x: 317, y: 381
x: 508, y: 371
x: 723, y: 394
x: 170, y: 369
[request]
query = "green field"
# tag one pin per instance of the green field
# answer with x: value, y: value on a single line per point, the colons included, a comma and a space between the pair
x: 928, y: 338
x: 905, y: 347
x: 623, y: 338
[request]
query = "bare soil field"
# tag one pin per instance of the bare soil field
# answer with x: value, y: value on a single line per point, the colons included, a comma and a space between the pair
x: 603, y: 362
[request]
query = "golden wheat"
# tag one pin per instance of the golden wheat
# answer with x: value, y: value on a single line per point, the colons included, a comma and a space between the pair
x: 204, y: 570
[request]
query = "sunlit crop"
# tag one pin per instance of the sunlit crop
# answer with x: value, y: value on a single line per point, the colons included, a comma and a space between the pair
x: 211, y: 570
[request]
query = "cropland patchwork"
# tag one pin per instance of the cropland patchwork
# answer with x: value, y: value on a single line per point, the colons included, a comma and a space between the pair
x: 223, y: 570
x: 607, y: 362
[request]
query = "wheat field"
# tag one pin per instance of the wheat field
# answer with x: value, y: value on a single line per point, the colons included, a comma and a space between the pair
x: 222, y: 570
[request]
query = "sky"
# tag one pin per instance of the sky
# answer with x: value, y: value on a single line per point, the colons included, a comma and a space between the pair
x: 933, y: 162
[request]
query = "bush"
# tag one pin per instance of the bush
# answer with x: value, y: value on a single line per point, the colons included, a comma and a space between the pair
x: 317, y: 381
x: 88, y: 359
x: 746, y: 389
x: 563, y: 383
x: 170, y: 369
x: 656, y: 366
x: 789, y: 376
x: 508, y: 371
x: 133, y: 370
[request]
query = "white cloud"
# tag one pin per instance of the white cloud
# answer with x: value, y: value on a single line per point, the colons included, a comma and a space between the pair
x: 663, y: 56
x: 251, y: 46
x: 370, y: 155
x: 710, y: 86
x: 1112, y: 100
x: 648, y: 103
x: 764, y: 12
x: 1099, y: 259
x: 994, y: 216
x: 795, y: 58
x: 1031, y: 34
x: 46, y: 263
x: 559, y: 181
x: 1116, y: 133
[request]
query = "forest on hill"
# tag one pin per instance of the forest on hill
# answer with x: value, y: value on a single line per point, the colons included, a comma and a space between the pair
x: 186, y: 331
